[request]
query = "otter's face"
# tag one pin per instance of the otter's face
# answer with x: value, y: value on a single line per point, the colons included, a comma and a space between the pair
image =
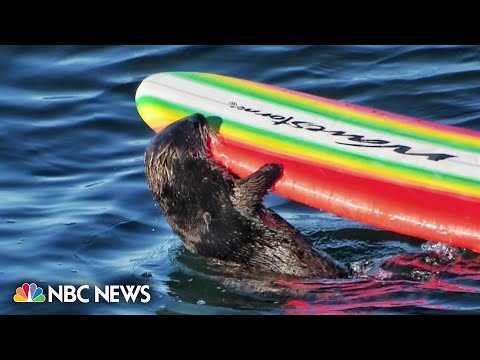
x: 185, y: 137
x: 173, y: 146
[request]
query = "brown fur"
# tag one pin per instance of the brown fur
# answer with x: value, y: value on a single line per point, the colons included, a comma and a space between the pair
x: 221, y: 217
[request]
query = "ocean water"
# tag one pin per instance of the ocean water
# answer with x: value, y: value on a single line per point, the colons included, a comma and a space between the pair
x: 75, y: 208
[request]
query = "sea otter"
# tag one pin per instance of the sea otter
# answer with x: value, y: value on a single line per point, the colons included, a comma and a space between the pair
x: 220, y: 216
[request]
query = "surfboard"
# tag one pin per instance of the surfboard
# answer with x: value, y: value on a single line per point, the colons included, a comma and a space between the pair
x: 393, y: 172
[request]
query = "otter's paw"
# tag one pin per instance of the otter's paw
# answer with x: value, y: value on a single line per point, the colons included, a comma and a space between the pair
x: 250, y: 190
x: 272, y: 170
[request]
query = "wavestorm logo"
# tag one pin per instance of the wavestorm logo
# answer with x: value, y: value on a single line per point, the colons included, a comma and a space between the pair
x: 70, y: 293
x: 355, y: 140
x: 29, y: 293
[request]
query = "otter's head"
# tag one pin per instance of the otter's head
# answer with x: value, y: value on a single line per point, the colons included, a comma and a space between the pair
x: 180, y: 141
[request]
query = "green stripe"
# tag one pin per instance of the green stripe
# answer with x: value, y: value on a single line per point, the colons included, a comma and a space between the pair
x: 293, y: 105
x: 307, y: 146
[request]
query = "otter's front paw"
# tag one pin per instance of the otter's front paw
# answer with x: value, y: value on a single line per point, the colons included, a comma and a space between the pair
x: 273, y: 170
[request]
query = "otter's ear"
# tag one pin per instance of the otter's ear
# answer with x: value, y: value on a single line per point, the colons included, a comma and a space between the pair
x: 250, y: 191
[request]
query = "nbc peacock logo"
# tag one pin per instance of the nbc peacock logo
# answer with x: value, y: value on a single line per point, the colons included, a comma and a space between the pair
x: 29, y: 293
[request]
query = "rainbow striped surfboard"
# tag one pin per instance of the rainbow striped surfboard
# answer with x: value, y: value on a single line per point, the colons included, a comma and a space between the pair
x: 390, y: 171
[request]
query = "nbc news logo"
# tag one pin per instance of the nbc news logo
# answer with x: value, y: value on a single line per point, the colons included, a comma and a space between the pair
x: 69, y: 293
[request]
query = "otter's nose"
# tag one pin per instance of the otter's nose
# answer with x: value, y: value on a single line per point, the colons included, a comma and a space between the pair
x: 198, y: 119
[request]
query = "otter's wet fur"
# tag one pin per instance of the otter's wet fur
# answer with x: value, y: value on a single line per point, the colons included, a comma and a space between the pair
x: 220, y: 216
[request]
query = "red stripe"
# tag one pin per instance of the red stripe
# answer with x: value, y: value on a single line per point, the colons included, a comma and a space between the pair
x: 410, y: 210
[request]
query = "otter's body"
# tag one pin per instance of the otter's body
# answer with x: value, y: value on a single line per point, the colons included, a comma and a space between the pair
x: 220, y: 216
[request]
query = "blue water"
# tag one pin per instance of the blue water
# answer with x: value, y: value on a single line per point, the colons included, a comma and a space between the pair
x: 75, y: 208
